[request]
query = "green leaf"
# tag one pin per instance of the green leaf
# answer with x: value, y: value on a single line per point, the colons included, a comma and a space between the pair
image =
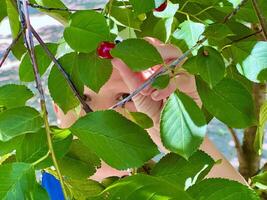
x: 9, y: 95
x: 124, y: 16
x: 60, y: 91
x: 142, y: 6
x: 182, y: 125
x: 184, y: 173
x: 83, y: 189
x: 142, y: 119
x: 80, y: 162
x: 210, y: 64
x: 61, y: 16
x: 262, y: 75
x: 19, y: 121
x: 187, y: 35
x: 15, y: 26
x: 234, y: 74
x: 119, y: 142
x: 218, y: 31
x: 251, y: 58
x: 82, y: 35
x: 94, y: 71
x: 258, y: 142
x: 34, y: 146
x: 138, y: 54
x: 17, y: 181
x: 191, y: 65
x: 9, y: 146
x: 169, y: 11
x: 43, y: 61
x: 3, y: 12
x: 143, y: 187
x: 260, y: 179
x: 228, y: 101
x: 39, y: 193
x: 161, y: 82
x: 221, y: 189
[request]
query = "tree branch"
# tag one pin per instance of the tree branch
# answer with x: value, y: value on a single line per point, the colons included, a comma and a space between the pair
x: 28, y: 39
x: 7, y: 51
x: 262, y: 19
x: 61, y: 69
x: 59, y: 9
x: 235, y: 139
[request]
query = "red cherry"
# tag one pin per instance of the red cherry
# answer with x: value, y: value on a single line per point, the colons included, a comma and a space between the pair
x: 162, y: 7
x: 104, y: 49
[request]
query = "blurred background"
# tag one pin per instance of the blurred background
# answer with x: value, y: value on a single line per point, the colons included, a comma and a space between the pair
x: 51, y: 30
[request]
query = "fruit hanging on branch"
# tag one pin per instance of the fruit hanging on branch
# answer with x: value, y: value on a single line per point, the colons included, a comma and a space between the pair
x: 162, y: 7
x: 104, y: 49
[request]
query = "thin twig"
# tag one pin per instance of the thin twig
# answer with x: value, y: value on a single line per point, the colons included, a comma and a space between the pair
x: 7, y: 51
x: 41, y: 159
x: 61, y: 69
x: 151, y: 79
x: 245, y: 37
x: 261, y: 17
x: 25, y: 21
x: 60, y: 9
x: 234, y: 12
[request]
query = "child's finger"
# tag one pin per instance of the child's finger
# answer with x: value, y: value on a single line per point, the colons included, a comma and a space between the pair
x: 132, y: 79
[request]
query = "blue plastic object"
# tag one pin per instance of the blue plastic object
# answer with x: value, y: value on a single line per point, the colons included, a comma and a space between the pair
x: 52, y: 186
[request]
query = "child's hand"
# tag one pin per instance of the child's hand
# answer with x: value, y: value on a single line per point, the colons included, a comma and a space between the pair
x: 150, y: 100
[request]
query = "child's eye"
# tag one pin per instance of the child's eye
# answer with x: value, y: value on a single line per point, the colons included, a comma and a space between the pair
x: 123, y: 96
x: 87, y: 98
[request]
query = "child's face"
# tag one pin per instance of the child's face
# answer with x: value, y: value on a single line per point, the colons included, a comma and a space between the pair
x: 111, y: 93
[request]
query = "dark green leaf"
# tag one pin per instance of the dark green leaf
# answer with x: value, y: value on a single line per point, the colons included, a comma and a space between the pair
x: 258, y: 142
x: 210, y: 65
x: 11, y: 145
x: 138, y: 54
x: 142, y: 6
x: 60, y: 91
x: 94, y: 71
x: 34, y: 146
x: 43, y: 61
x: 84, y: 189
x: 82, y: 35
x: 79, y: 163
x: 161, y: 82
x: 228, y: 101
x: 3, y: 12
x: 19, y: 121
x: 221, y: 189
x: 143, y: 187
x: 218, y: 31
x: 124, y: 16
x: 182, y: 125
x: 142, y: 119
x: 61, y: 16
x: 184, y: 173
x: 13, y: 16
x: 17, y: 181
x: 9, y: 95
x: 119, y: 142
